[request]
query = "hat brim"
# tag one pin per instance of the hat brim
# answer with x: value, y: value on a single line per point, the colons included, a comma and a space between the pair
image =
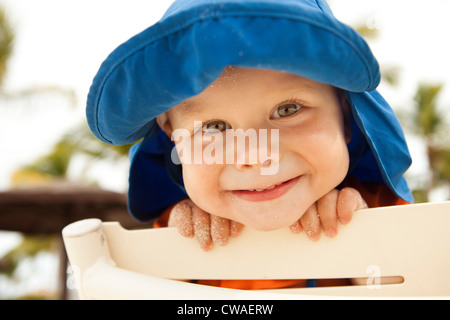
x: 188, y: 49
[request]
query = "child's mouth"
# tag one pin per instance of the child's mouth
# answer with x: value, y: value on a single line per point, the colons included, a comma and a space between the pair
x: 267, y: 194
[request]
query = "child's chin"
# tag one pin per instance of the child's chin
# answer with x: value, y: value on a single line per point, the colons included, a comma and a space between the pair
x: 264, y: 218
x: 269, y: 226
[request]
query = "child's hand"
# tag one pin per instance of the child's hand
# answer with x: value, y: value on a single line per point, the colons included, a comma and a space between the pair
x: 327, y: 211
x: 208, y: 229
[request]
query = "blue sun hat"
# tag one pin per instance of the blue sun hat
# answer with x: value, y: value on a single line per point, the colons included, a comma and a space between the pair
x: 183, y: 53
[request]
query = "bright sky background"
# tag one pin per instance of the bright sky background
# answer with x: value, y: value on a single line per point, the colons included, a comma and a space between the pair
x: 63, y: 42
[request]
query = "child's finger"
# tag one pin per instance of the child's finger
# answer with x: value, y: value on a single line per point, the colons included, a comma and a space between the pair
x: 296, y: 227
x: 202, y: 229
x: 349, y: 200
x: 326, y: 207
x: 220, y: 230
x: 235, y: 228
x: 311, y: 223
x: 181, y: 218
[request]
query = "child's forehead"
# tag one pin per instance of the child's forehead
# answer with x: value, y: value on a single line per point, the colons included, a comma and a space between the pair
x: 185, y: 108
x: 232, y: 76
x: 237, y: 82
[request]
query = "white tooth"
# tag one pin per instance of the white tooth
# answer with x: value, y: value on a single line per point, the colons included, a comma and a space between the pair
x: 270, y: 188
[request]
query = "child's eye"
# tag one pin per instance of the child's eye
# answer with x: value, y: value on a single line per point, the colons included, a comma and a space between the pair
x: 285, y: 110
x: 215, y: 126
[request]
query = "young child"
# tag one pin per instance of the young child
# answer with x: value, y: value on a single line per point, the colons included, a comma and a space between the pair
x: 287, y: 71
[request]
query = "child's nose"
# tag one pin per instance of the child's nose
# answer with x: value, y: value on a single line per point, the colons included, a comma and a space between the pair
x: 256, y: 150
x: 244, y: 163
x: 256, y: 157
x: 266, y: 167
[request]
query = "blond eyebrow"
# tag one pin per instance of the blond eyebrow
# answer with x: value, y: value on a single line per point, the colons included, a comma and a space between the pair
x: 187, y: 107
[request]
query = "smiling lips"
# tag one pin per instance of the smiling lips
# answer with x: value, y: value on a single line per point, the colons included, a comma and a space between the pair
x: 270, y: 193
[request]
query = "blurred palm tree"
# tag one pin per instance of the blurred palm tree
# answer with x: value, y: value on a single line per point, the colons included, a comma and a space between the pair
x: 30, y: 245
x: 54, y: 165
x: 6, y: 43
x: 429, y: 122
x: 7, y: 37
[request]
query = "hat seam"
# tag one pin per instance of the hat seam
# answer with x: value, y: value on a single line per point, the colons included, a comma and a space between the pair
x: 199, y: 19
x: 320, y: 7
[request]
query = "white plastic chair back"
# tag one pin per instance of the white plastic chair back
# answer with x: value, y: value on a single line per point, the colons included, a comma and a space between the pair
x: 411, y: 241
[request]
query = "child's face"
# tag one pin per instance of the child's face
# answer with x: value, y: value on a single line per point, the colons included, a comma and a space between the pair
x: 312, y: 156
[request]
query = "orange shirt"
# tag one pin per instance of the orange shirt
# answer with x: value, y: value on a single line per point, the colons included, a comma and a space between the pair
x: 375, y: 194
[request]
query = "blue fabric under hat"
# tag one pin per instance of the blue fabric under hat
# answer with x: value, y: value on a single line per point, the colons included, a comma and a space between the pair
x: 188, y: 49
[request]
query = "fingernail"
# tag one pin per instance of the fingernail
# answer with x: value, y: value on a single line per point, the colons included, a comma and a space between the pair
x: 361, y: 204
x: 295, y: 229
x: 331, y: 232
x: 234, y: 230
x: 221, y: 241
x: 314, y: 237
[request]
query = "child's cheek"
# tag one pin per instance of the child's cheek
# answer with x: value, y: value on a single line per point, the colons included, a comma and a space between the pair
x: 321, y: 143
x: 201, y: 183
